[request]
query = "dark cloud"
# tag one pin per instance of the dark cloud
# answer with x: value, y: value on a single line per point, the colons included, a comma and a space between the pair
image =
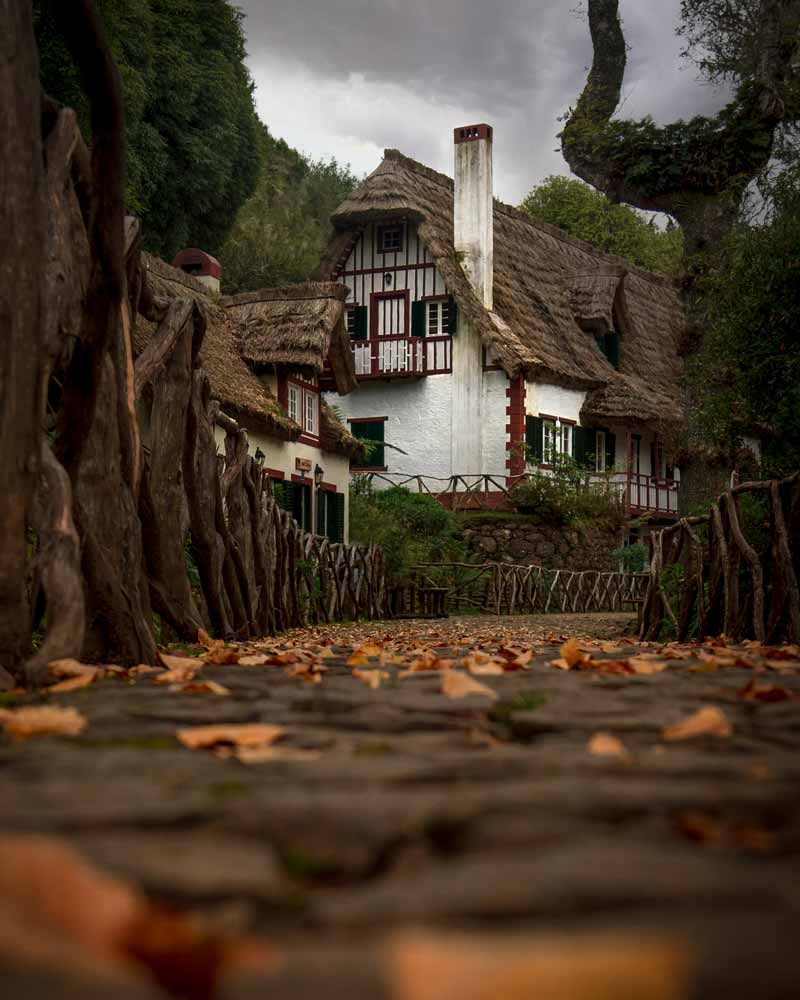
x: 348, y: 77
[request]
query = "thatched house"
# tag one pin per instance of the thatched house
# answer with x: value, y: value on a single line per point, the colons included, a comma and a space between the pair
x: 477, y: 330
x: 264, y: 353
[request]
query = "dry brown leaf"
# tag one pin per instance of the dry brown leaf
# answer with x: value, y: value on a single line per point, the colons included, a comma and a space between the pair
x: 560, y: 664
x: 171, y: 662
x: 763, y: 692
x: 220, y: 655
x: 647, y: 663
x: 572, y: 653
x: 707, y: 721
x: 144, y: 668
x: 246, y: 734
x: 253, y: 660
x: 435, y: 965
x: 456, y: 684
x: 311, y: 673
x: 182, y: 672
x: 201, y: 687
x: 204, y: 639
x: 357, y: 659
x: 372, y: 678
x: 488, y: 667
x: 58, y: 911
x: 606, y: 745
x: 261, y: 755
x: 42, y: 720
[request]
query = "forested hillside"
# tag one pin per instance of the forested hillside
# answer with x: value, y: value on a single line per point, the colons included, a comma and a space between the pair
x: 196, y: 149
x: 281, y: 231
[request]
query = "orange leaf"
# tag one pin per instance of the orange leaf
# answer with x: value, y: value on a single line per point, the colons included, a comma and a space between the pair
x: 606, y: 745
x: 221, y: 654
x: 357, y: 659
x: 372, y: 678
x: 763, y: 692
x: 204, y: 639
x: 572, y: 653
x: 648, y: 663
x: 456, y: 684
x: 254, y: 734
x: 261, y: 755
x: 707, y: 721
x: 471, y: 664
x: 201, y: 687
x: 433, y: 965
x: 182, y: 672
x: 42, y: 720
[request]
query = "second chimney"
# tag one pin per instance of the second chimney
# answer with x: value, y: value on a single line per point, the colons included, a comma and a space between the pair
x: 473, y: 213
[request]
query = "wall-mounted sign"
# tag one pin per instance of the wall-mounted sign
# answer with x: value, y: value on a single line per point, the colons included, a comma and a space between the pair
x: 302, y: 464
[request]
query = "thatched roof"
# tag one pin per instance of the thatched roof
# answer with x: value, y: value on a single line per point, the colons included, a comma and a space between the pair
x: 241, y: 393
x: 300, y: 326
x: 546, y: 285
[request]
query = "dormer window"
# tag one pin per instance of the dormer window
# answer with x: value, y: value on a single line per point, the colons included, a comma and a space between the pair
x: 439, y: 318
x: 608, y: 345
x: 390, y: 238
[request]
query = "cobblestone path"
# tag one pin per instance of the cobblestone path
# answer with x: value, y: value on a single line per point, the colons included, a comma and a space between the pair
x: 410, y: 809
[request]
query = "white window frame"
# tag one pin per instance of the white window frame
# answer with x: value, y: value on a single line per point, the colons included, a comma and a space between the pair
x: 557, y: 439
x: 294, y: 402
x: 310, y: 412
x: 565, y: 439
x: 437, y: 330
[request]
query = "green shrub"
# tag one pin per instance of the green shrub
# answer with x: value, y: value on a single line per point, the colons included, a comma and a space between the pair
x: 410, y: 527
x: 569, y: 495
x: 632, y: 557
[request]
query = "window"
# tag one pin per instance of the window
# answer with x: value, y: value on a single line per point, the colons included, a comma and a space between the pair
x: 350, y: 321
x: 565, y: 443
x: 636, y: 453
x: 389, y: 313
x: 295, y: 395
x: 301, y: 505
x: 608, y: 345
x: 439, y: 318
x: 330, y: 515
x: 356, y: 320
x: 549, y: 448
x: 310, y: 412
x: 548, y: 437
x: 390, y: 239
x: 303, y: 407
x: 371, y: 433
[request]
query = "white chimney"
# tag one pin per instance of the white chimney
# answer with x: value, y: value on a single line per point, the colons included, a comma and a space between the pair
x: 473, y: 215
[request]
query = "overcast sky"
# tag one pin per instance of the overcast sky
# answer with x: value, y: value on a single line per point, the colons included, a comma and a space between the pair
x: 347, y: 78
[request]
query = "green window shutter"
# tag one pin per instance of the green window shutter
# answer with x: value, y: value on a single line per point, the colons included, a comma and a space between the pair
x: 452, y: 316
x: 419, y: 319
x: 322, y: 501
x: 338, y: 521
x: 534, y: 433
x: 584, y: 446
x: 284, y: 494
x: 370, y: 431
x: 612, y: 348
x: 359, y: 323
x: 611, y: 449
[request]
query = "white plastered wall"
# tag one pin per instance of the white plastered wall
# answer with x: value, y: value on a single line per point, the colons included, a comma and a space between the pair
x: 554, y: 401
x: 494, y: 436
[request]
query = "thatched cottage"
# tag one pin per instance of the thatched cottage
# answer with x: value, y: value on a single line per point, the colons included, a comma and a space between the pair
x: 264, y: 353
x: 477, y: 330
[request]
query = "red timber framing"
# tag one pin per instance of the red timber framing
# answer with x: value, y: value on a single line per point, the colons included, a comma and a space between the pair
x: 515, y: 428
x: 376, y: 276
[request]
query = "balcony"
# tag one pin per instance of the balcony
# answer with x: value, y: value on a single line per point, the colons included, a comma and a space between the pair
x: 651, y: 494
x: 402, y: 357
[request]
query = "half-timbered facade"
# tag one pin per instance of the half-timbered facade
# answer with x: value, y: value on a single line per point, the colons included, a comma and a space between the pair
x: 487, y: 343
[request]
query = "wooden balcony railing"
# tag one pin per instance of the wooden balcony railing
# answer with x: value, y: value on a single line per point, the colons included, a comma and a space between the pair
x: 393, y: 357
x: 652, y: 494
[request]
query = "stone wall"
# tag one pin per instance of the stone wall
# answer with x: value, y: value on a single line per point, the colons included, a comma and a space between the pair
x: 527, y: 539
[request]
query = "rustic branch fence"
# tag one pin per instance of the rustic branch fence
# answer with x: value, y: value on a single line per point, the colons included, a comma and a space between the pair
x: 708, y: 577
x: 506, y: 589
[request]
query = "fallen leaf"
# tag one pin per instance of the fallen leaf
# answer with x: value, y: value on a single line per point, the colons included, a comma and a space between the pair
x: 560, y: 664
x: 144, y: 668
x: 437, y: 965
x: 606, y: 745
x: 707, y: 721
x: 311, y: 673
x: 647, y: 663
x: 183, y: 672
x: 699, y: 826
x: 255, y: 660
x: 372, y: 678
x: 220, y: 655
x: 59, y: 912
x: 763, y: 692
x: 177, y: 662
x: 204, y: 639
x: 201, y: 687
x: 42, y: 720
x: 261, y: 755
x: 572, y: 653
x: 608, y: 666
x: 489, y: 667
x: 456, y: 684
x: 254, y: 734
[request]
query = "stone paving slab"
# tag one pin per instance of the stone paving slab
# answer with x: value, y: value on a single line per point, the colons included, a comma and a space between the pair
x: 474, y: 813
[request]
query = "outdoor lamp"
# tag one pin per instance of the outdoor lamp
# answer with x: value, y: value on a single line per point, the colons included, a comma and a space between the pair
x: 319, y: 472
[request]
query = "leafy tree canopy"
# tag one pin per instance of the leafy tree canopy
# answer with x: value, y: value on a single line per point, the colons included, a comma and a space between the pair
x: 589, y: 215
x: 281, y: 231
x: 747, y: 375
x: 192, y: 130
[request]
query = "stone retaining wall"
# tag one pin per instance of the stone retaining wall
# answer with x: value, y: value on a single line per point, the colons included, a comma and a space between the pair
x: 527, y: 539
